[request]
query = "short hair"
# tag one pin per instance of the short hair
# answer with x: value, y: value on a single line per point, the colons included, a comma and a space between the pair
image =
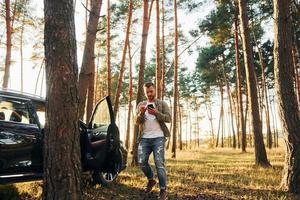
x: 149, y: 84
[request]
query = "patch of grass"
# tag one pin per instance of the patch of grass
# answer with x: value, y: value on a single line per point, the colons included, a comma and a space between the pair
x: 195, y: 174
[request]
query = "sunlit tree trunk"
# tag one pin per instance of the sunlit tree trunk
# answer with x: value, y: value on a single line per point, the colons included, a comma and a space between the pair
x: 108, y: 55
x: 260, y: 151
x: 265, y: 101
x: 221, y: 118
x: 208, y: 109
x: 180, y: 125
x: 140, y: 90
x: 21, y: 51
x: 158, y: 67
x: 129, y: 98
x: 230, y: 102
x: 120, y: 82
x: 242, y: 126
x: 62, y: 166
x: 285, y: 93
x: 163, y: 55
x: 8, y: 44
x: 90, y: 94
x: 175, y: 88
x: 88, y: 60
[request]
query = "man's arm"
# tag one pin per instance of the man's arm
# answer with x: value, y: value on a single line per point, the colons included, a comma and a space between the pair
x: 140, y: 113
x: 165, y: 114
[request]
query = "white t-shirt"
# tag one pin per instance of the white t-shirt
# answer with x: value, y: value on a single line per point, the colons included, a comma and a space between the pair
x: 151, y: 126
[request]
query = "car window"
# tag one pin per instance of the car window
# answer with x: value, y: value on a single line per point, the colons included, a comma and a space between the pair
x: 14, y: 111
x: 41, y: 112
x: 101, y: 117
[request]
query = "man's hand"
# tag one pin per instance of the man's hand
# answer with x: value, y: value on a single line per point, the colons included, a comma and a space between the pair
x: 152, y: 111
x: 143, y: 109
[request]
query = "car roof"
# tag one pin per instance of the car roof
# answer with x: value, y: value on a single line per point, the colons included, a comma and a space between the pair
x: 21, y: 95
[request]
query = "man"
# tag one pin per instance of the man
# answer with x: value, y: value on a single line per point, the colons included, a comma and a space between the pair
x: 151, y: 117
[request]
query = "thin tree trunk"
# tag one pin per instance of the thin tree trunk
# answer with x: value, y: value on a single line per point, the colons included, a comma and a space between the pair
x: 62, y: 166
x: 129, y: 99
x: 163, y: 70
x: 8, y: 44
x: 108, y: 64
x: 120, y: 82
x: 21, y: 51
x: 242, y: 127
x: 90, y: 94
x: 158, y: 67
x: 175, y: 89
x: 38, y: 77
x: 140, y: 89
x: 88, y: 60
x: 260, y: 151
x: 265, y: 95
x: 209, y: 114
x: 285, y: 93
x: 230, y: 102
x: 180, y: 124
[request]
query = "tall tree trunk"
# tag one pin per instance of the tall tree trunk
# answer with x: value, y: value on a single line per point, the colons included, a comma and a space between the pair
x: 264, y: 94
x: 21, y: 51
x: 242, y: 126
x: 38, y: 77
x: 163, y: 56
x: 158, y: 67
x: 120, y: 82
x: 108, y: 56
x: 8, y: 44
x: 180, y: 125
x: 175, y: 89
x: 129, y: 99
x: 140, y: 90
x: 209, y: 114
x: 260, y: 151
x: 90, y: 95
x: 62, y: 167
x: 230, y: 101
x: 88, y: 60
x: 286, y: 97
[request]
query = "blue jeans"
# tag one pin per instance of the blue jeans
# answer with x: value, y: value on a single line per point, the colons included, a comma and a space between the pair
x: 157, y: 146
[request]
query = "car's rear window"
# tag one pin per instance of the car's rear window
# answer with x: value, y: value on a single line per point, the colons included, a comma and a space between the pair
x: 14, y: 110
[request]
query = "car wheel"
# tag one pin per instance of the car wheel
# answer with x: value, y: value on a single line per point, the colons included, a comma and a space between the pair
x: 106, y: 178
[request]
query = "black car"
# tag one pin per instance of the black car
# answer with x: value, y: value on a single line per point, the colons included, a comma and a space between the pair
x: 22, y: 119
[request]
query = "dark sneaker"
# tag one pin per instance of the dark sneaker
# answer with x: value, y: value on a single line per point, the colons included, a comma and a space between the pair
x: 150, y: 186
x: 163, y: 195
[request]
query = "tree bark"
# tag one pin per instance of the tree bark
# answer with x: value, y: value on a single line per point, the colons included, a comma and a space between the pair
x: 163, y: 56
x: 140, y: 90
x: 264, y: 95
x: 286, y: 97
x: 242, y: 126
x: 129, y: 99
x: 108, y: 64
x: 8, y: 44
x: 119, y: 88
x: 62, y: 167
x: 158, y: 67
x: 260, y: 151
x: 175, y: 89
x: 88, y: 60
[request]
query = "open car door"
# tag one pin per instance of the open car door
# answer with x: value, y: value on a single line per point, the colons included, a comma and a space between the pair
x: 104, y: 137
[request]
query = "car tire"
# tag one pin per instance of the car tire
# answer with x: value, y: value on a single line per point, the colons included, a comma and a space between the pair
x: 106, y: 178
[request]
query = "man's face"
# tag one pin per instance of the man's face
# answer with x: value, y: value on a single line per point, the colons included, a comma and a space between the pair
x: 150, y: 93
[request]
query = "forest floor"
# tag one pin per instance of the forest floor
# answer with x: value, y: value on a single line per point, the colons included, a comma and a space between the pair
x: 195, y: 174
